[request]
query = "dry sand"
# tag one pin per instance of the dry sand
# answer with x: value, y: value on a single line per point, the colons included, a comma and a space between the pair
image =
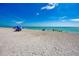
x: 38, y: 43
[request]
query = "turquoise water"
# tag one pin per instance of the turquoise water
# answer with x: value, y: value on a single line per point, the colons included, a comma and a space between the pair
x: 62, y: 29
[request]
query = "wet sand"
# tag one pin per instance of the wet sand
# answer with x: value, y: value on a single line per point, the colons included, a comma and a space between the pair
x: 38, y: 43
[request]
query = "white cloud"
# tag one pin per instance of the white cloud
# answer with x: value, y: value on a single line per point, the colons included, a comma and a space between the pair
x: 49, y: 6
x: 76, y: 20
x: 69, y: 20
x: 63, y: 19
x: 19, y: 22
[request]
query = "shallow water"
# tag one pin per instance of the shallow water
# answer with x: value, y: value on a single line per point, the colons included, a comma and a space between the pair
x: 58, y: 29
x: 64, y: 29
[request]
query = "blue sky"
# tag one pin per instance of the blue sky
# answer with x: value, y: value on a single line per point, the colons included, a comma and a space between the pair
x: 39, y: 14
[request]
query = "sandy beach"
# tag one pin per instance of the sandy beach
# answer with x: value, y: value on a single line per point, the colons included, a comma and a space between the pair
x: 38, y: 43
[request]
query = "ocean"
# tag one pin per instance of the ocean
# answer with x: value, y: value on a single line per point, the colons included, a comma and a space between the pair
x: 59, y: 29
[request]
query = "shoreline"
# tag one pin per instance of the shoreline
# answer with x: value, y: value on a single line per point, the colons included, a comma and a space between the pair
x: 39, y: 30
